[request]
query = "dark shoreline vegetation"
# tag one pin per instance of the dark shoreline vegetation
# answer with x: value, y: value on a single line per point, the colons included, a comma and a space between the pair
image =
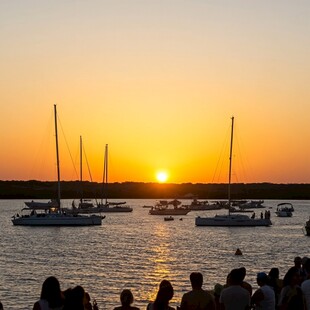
x: 137, y: 190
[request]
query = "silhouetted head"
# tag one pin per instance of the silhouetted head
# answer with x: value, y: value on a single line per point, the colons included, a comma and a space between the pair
x: 306, y: 266
x: 297, y: 261
x: 164, y: 295
x: 75, y: 298
x: 304, y: 260
x: 242, y: 271
x: 235, y: 277
x: 51, y: 292
x: 196, y: 280
x: 292, y: 277
x: 274, y: 273
x: 262, y: 278
x: 126, y: 298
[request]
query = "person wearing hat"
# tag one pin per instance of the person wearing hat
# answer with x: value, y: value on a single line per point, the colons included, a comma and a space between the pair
x: 264, y: 297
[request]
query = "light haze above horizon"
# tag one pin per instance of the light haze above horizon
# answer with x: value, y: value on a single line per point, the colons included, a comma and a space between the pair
x: 158, y: 81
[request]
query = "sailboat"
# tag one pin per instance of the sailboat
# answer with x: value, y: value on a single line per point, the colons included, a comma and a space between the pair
x: 105, y: 205
x: 235, y: 219
x: 44, y: 214
x: 85, y: 205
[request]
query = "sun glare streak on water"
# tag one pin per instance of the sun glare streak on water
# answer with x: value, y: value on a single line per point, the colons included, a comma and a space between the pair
x: 137, y: 251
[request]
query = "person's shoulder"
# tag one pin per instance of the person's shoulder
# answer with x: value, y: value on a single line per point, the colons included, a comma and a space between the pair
x: 305, y: 283
x: 36, y: 306
x: 149, y: 306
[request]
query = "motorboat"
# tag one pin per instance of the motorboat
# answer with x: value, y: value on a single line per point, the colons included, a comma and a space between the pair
x: 252, y: 204
x: 169, y: 218
x: 231, y: 220
x: 287, y: 206
x: 164, y: 207
x: 197, y: 205
x: 45, y: 214
x: 284, y: 209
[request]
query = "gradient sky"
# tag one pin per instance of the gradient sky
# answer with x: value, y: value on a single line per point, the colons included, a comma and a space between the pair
x: 158, y: 81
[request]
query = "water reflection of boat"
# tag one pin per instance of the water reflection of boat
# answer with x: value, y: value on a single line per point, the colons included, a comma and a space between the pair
x: 165, y: 207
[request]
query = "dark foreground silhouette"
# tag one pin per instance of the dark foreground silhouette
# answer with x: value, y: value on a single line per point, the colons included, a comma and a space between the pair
x: 291, y: 293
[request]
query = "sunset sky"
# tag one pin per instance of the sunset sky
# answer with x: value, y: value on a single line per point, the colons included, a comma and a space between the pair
x: 158, y: 81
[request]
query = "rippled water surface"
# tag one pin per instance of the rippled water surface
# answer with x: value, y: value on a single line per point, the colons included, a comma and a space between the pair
x: 137, y: 251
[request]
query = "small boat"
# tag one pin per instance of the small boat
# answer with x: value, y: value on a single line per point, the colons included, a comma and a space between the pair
x: 253, y: 204
x: 286, y: 206
x: 197, y: 205
x: 169, y: 218
x: 165, y: 207
x: 284, y: 209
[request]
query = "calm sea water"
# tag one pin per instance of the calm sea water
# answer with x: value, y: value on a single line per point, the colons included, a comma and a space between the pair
x: 137, y: 251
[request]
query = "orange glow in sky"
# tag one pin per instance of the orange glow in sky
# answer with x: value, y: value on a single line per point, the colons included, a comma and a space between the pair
x: 157, y: 81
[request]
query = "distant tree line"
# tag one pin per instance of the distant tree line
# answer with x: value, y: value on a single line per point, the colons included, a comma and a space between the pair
x: 136, y: 190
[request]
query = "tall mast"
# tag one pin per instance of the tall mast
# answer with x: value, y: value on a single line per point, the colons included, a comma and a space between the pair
x: 57, y: 156
x: 81, y: 167
x: 106, y: 174
x: 230, y: 162
x: 81, y: 158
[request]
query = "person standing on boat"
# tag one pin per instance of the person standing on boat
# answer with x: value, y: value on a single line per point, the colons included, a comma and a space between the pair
x: 197, y: 298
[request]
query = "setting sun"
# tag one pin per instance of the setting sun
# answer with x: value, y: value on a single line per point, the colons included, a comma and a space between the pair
x: 162, y: 176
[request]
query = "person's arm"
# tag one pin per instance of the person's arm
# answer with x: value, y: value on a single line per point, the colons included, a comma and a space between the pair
x: 211, y: 305
x: 183, y: 303
x: 257, y: 297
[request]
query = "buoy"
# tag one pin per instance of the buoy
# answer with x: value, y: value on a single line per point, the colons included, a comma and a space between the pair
x: 238, y: 252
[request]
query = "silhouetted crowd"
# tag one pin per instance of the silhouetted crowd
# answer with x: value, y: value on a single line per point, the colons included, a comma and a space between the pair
x: 291, y: 293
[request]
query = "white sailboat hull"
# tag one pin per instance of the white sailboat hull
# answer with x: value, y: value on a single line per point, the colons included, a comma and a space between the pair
x: 231, y: 220
x: 57, y: 220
